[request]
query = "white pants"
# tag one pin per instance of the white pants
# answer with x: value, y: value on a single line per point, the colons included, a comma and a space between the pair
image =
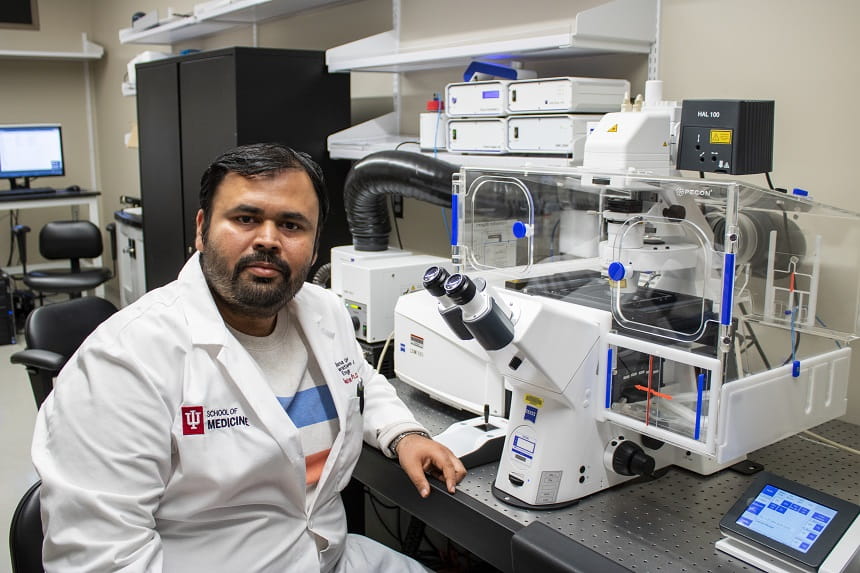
x: 362, y: 554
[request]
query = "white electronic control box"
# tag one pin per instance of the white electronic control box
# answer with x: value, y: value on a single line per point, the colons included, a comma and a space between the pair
x: 484, y: 135
x: 371, y: 287
x: 344, y: 255
x: 549, y: 134
x: 566, y: 95
x: 470, y: 99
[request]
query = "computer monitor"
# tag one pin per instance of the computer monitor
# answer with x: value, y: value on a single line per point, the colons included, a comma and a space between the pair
x: 28, y: 151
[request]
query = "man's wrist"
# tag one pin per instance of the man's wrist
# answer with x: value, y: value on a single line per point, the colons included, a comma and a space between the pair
x: 392, y: 447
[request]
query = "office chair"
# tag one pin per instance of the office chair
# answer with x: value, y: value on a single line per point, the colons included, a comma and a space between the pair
x: 25, y: 533
x: 53, y: 333
x: 73, y: 240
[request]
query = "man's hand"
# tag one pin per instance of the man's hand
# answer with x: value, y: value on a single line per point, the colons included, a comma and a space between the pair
x: 418, y: 455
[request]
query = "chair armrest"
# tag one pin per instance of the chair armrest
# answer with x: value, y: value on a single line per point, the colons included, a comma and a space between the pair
x: 20, y: 232
x: 40, y: 359
x: 111, y: 229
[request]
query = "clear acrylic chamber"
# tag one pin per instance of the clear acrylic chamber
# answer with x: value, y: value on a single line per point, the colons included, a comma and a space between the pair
x: 727, y: 300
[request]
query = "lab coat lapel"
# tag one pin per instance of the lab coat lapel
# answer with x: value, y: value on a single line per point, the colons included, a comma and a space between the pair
x: 246, y: 376
x: 208, y: 330
x: 322, y: 342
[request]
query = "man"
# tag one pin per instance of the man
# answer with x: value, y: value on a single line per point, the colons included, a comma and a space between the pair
x: 211, y: 425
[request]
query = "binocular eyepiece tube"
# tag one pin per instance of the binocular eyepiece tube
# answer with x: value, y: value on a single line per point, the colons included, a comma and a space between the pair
x: 479, y: 314
x: 434, y: 283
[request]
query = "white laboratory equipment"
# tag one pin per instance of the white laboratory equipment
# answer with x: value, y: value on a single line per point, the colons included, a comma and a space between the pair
x: 432, y: 126
x: 477, y: 135
x: 698, y: 321
x: 781, y: 526
x: 470, y: 99
x: 130, y: 255
x: 566, y: 95
x: 556, y: 134
x: 370, y: 283
x: 450, y: 369
x: 642, y: 136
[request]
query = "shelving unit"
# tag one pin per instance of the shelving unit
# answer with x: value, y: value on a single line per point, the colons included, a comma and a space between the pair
x: 216, y: 16
x: 616, y: 27
x: 620, y: 26
x: 89, y: 51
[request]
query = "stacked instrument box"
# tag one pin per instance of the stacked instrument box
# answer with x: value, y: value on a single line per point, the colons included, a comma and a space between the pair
x: 547, y: 116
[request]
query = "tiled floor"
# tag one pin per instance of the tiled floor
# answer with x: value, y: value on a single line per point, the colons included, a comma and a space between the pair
x: 17, y: 415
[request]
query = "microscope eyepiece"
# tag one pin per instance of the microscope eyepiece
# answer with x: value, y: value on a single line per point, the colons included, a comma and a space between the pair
x: 482, y: 317
x: 434, y: 280
x: 460, y: 288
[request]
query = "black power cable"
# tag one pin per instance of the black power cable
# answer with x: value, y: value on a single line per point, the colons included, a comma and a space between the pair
x: 769, y: 182
x: 13, y: 222
x: 394, y: 218
x: 11, y: 241
x: 414, y: 535
x: 754, y: 338
x: 373, y: 504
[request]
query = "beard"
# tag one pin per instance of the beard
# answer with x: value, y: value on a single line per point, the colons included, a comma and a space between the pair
x: 258, y: 297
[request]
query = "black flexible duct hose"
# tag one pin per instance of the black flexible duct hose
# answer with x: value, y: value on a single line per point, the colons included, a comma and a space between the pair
x: 323, y: 276
x: 386, y: 172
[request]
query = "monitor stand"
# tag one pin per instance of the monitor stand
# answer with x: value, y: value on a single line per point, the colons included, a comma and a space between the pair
x: 13, y: 183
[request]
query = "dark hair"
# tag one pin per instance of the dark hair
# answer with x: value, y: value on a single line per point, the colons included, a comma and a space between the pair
x: 260, y: 160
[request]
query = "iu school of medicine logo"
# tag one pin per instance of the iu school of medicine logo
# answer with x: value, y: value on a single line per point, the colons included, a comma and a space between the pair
x: 192, y: 420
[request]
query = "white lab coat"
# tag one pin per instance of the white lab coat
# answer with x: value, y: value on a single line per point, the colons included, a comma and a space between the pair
x: 128, y: 484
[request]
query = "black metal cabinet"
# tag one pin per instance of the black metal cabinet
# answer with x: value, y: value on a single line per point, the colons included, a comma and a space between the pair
x: 192, y: 108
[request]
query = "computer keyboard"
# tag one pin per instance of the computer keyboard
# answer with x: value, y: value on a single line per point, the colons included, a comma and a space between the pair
x: 13, y: 193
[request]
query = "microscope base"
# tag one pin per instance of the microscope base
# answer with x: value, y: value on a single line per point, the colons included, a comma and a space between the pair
x: 513, y: 501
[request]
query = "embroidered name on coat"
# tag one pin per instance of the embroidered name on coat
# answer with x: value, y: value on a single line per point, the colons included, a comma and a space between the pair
x: 345, y: 367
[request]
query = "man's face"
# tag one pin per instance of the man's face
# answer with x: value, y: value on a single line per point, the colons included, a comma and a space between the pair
x: 260, y: 242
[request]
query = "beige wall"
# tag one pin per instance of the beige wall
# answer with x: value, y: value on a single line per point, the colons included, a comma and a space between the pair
x: 39, y: 91
x: 800, y: 54
x: 61, y: 23
x: 796, y: 52
x: 59, y: 91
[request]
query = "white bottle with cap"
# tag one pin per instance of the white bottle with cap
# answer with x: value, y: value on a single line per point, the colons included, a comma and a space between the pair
x: 432, y: 127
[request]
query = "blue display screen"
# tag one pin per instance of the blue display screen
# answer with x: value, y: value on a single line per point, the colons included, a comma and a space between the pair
x: 490, y: 94
x: 523, y: 448
x: 787, y: 518
x: 31, y: 151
